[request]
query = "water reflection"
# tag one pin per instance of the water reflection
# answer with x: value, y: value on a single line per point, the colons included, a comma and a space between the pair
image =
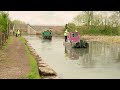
x: 46, y: 44
x: 46, y: 41
x: 101, y: 55
x: 100, y: 60
x: 97, y: 55
x: 74, y: 54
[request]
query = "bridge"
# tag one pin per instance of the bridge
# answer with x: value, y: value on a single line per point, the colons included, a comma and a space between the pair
x: 28, y: 29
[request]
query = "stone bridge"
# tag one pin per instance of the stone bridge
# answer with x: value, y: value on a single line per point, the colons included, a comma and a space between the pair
x: 35, y: 29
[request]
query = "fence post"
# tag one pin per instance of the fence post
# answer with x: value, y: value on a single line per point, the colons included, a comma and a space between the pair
x: 0, y: 39
x: 3, y: 38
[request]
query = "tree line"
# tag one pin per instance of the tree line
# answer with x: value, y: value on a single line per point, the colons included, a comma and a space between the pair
x: 6, y: 22
x: 96, y: 23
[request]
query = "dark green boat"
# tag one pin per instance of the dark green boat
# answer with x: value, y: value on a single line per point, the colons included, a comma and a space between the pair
x: 47, y: 34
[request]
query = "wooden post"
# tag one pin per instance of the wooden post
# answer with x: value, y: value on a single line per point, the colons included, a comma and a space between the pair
x: 0, y: 39
x: 7, y: 26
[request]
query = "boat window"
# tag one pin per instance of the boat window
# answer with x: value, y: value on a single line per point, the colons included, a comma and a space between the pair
x: 74, y: 34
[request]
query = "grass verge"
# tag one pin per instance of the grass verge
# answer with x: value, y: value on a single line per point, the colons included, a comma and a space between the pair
x: 34, y: 73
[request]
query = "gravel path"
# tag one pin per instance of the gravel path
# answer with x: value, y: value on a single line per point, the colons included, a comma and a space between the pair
x: 14, y: 63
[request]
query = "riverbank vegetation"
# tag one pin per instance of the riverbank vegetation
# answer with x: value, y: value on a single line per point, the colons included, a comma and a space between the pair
x: 107, y: 39
x: 96, y: 23
x: 4, y: 21
x: 34, y: 74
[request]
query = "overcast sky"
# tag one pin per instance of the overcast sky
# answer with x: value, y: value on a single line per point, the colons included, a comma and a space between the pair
x: 44, y: 17
x: 47, y: 17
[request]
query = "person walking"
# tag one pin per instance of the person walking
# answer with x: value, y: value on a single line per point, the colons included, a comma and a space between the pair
x: 18, y: 33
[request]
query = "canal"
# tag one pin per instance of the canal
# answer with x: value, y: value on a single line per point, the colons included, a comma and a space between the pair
x: 99, y: 61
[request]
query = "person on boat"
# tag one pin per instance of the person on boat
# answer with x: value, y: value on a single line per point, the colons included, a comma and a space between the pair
x: 66, y: 34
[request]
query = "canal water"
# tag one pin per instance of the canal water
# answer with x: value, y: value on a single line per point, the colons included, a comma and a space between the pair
x: 99, y: 61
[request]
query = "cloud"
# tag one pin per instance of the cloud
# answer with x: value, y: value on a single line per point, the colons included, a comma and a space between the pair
x: 48, y: 17
x: 44, y: 17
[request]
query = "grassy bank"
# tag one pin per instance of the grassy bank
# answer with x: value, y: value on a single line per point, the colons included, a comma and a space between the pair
x: 99, y: 30
x: 107, y: 39
x: 34, y: 74
x: 10, y: 40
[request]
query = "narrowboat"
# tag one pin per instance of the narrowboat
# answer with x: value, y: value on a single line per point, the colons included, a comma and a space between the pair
x: 74, y: 41
x: 47, y: 34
